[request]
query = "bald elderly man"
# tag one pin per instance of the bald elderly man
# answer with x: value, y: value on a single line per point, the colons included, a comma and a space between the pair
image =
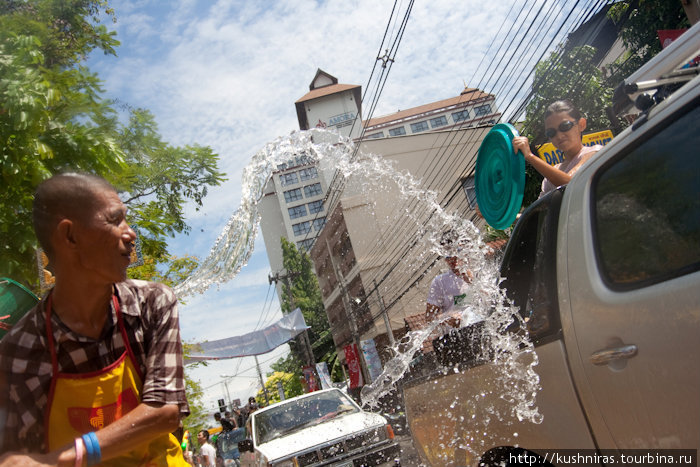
x: 93, y: 374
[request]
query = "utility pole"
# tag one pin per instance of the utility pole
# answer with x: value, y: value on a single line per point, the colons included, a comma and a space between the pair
x: 345, y: 296
x: 228, y: 395
x: 262, y: 383
x: 306, y: 343
x: 385, y: 315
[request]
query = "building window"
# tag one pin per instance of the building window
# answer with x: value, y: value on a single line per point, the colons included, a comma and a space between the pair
x: 460, y: 116
x: 293, y: 195
x: 316, y: 206
x: 375, y: 135
x: 308, y: 173
x: 297, y: 211
x: 313, y: 190
x: 438, y: 121
x: 305, y: 245
x: 288, y: 179
x: 469, y: 191
x: 301, y: 228
x: 397, y: 131
x: 319, y: 223
x: 420, y: 126
x: 481, y: 110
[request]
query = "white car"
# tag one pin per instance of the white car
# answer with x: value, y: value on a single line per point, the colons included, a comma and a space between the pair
x: 322, y: 428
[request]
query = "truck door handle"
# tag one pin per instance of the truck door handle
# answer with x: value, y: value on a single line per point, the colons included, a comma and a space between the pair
x: 605, y: 356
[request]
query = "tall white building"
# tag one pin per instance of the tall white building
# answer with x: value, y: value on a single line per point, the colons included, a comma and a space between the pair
x: 292, y: 205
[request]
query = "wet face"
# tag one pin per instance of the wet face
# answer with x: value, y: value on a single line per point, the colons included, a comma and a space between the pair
x: 201, y: 438
x: 569, y: 142
x: 104, y: 239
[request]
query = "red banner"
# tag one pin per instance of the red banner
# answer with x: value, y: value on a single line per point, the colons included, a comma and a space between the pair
x: 352, y: 359
x: 666, y: 36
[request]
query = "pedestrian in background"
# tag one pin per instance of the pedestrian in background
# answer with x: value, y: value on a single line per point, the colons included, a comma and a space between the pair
x: 206, y: 450
x: 226, y: 425
x: 449, y: 292
x: 232, y: 420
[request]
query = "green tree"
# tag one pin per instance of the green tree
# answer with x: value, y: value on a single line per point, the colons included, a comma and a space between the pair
x: 197, y: 418
x: 565, y: 74
x: 640, y: 21
x: 157, y: 180
x: 54, y: 119
x: 291, y: 384
x: 41, y: 134
x: 306, y: 295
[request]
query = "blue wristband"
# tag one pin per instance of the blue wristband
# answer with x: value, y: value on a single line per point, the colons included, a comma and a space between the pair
x: 92, y: 446
x: 96, y: 447
x: 89, y: 449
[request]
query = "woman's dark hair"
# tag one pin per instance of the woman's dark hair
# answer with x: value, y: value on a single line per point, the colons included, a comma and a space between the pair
x: 564, y: 105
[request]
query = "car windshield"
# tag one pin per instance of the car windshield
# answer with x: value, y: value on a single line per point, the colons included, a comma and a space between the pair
x: 295, y: 415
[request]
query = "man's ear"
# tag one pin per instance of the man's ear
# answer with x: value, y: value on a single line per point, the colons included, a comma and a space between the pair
x: 64, y: 235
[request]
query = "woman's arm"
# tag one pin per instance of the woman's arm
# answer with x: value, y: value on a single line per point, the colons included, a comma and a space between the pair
x: 554, y: 175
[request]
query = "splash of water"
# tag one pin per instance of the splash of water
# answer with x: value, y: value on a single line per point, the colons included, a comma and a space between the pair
x: 516, y: 382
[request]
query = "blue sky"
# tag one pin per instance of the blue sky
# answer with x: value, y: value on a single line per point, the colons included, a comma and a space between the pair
x: 226, y: 74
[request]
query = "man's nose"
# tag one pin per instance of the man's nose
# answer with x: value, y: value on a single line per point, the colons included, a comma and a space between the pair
x: 128, y: 232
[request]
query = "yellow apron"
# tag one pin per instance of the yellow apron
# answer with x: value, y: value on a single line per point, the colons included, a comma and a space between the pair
x: 80, y: 403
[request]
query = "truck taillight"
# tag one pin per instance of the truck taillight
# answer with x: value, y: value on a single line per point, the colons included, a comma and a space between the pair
x: 389, y: 431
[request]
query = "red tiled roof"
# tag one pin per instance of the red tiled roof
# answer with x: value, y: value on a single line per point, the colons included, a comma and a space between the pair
x: 466, y: 96
x: 326, y: 90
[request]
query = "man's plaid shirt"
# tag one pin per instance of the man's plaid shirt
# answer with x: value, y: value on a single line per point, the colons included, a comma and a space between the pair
x: 149, y: 312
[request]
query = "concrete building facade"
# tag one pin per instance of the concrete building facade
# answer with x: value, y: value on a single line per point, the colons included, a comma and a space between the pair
x: 471, y: 108
x: 370, y: 256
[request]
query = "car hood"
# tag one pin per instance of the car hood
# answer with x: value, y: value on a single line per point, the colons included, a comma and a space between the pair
x: 335, y: 428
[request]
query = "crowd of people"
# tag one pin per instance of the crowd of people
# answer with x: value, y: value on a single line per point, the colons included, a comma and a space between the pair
x: 219, y: 447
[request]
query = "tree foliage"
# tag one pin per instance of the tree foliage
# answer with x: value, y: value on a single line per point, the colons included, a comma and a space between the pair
x: 640, y: 21
x: 157, y: 180
x: 291, y: 383
x: 197, y: 418
x: 306, y: 295
x: 53, y: 119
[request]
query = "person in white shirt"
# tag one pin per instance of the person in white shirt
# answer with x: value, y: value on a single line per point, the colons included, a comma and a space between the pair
x: 206, y: 450
x: 449, y: 292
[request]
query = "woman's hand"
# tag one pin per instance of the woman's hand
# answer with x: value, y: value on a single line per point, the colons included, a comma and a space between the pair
x: 521, y: 143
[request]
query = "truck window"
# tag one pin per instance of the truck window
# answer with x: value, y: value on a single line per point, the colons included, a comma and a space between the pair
x: 646, y: 206
x: 529, y: 267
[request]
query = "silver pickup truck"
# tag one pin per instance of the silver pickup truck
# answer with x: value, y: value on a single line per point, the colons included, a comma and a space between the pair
x: 606, y: 272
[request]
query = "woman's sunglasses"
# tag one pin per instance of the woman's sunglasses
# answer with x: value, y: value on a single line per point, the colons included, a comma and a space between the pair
x: 564, y: 126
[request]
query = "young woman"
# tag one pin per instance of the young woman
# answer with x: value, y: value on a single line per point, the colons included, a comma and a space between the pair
x: 563, y: 125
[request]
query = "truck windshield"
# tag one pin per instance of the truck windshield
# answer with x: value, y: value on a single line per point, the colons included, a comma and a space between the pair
x: 292, y: 416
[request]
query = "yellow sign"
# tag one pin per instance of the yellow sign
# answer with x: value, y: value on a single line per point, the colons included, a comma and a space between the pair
x: 553, y: 156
